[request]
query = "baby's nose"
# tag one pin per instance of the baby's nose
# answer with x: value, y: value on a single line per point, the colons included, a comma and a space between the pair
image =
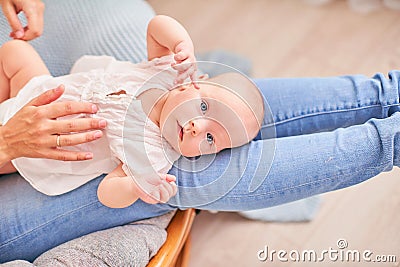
x: 194, y: 127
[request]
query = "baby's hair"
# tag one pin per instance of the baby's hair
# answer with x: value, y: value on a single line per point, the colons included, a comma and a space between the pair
x: 245, y: 89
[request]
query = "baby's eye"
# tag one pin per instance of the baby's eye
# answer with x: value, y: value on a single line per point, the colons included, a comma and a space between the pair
x: 203, y: 107
x: 210, y: 138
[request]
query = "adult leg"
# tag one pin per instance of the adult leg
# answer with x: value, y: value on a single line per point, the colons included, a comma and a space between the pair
x: 32, y: 223
x: 261, y: 174
x: 309, y: 105
x: 278, y: 170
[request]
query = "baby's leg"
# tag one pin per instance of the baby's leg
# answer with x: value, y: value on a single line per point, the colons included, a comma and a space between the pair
x: 19, y: 62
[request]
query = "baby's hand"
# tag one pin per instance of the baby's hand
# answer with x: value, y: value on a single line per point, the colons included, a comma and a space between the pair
x: 157, y: 189
x: 185, y: 64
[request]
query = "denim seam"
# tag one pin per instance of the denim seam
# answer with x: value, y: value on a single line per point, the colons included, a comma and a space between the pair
x: 314, y: 182
x: 46, y: 223
x: 276, y: 122
x: 270, y: 193
x: 276, y: 192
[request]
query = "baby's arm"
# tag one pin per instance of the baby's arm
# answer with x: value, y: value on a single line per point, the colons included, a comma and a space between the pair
x: 117, y: 190
x: 167, y: 36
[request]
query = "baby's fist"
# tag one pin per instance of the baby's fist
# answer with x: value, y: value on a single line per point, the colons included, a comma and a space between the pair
x: 160, y: 191
x: 185, y: 63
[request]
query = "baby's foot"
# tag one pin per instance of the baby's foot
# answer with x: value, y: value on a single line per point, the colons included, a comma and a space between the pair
x: 156, y: 189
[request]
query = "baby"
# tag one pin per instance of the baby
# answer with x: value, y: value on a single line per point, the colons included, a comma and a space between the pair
x: 153, y: 117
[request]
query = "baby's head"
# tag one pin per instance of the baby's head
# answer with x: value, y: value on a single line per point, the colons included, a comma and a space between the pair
x: 227, y: 111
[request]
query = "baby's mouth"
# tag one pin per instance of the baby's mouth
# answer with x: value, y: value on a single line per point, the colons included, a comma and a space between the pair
x: 180, y: 132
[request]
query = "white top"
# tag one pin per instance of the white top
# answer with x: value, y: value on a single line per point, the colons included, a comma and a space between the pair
x: 130, y: 137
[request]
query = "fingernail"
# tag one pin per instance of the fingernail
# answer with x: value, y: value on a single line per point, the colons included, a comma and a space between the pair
x: 102, y: 123
x: 98, y: 134
x: 59, y: 89
x: 89, y: 156
x: 19, y: 34
x: 94, y: 108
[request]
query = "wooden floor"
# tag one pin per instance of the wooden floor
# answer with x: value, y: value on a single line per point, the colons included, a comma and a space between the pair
x: 287, y: 38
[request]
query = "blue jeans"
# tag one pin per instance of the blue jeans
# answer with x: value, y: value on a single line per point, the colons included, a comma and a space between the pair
x: 319, y: 135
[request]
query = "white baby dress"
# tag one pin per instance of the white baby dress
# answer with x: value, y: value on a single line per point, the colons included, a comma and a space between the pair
x: 130, y: 137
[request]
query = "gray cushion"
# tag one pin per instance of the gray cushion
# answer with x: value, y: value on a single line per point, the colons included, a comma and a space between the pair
x: 130, y: 245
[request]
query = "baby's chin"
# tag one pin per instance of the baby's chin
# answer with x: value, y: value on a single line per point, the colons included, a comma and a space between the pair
x: 192, y: 154
x: 188, y: 154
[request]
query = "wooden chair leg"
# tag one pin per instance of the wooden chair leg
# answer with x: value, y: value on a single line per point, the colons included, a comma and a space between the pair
x: 177, y: 245
x: 184, y: 256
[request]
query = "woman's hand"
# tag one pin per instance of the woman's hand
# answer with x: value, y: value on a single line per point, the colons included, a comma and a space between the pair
x: 185, y: 63
x: 33, y: 10
x: 34, y: 131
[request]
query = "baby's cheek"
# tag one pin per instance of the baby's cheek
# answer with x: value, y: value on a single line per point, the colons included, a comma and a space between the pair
x: 204, y: 147
x: 189, y: 148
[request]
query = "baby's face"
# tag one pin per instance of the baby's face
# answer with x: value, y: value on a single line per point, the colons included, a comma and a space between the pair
x: 206, y: 120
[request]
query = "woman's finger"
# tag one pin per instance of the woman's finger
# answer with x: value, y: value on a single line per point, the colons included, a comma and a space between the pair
x: 67, y: 155
x: 76, y: 125
x: 34, y: 16
x: 10, y: 13
x: 47, y: 97
x: 63, y: 140
x: 60, y: 109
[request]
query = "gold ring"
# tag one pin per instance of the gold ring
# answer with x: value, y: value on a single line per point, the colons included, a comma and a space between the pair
x: 58, y: 141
